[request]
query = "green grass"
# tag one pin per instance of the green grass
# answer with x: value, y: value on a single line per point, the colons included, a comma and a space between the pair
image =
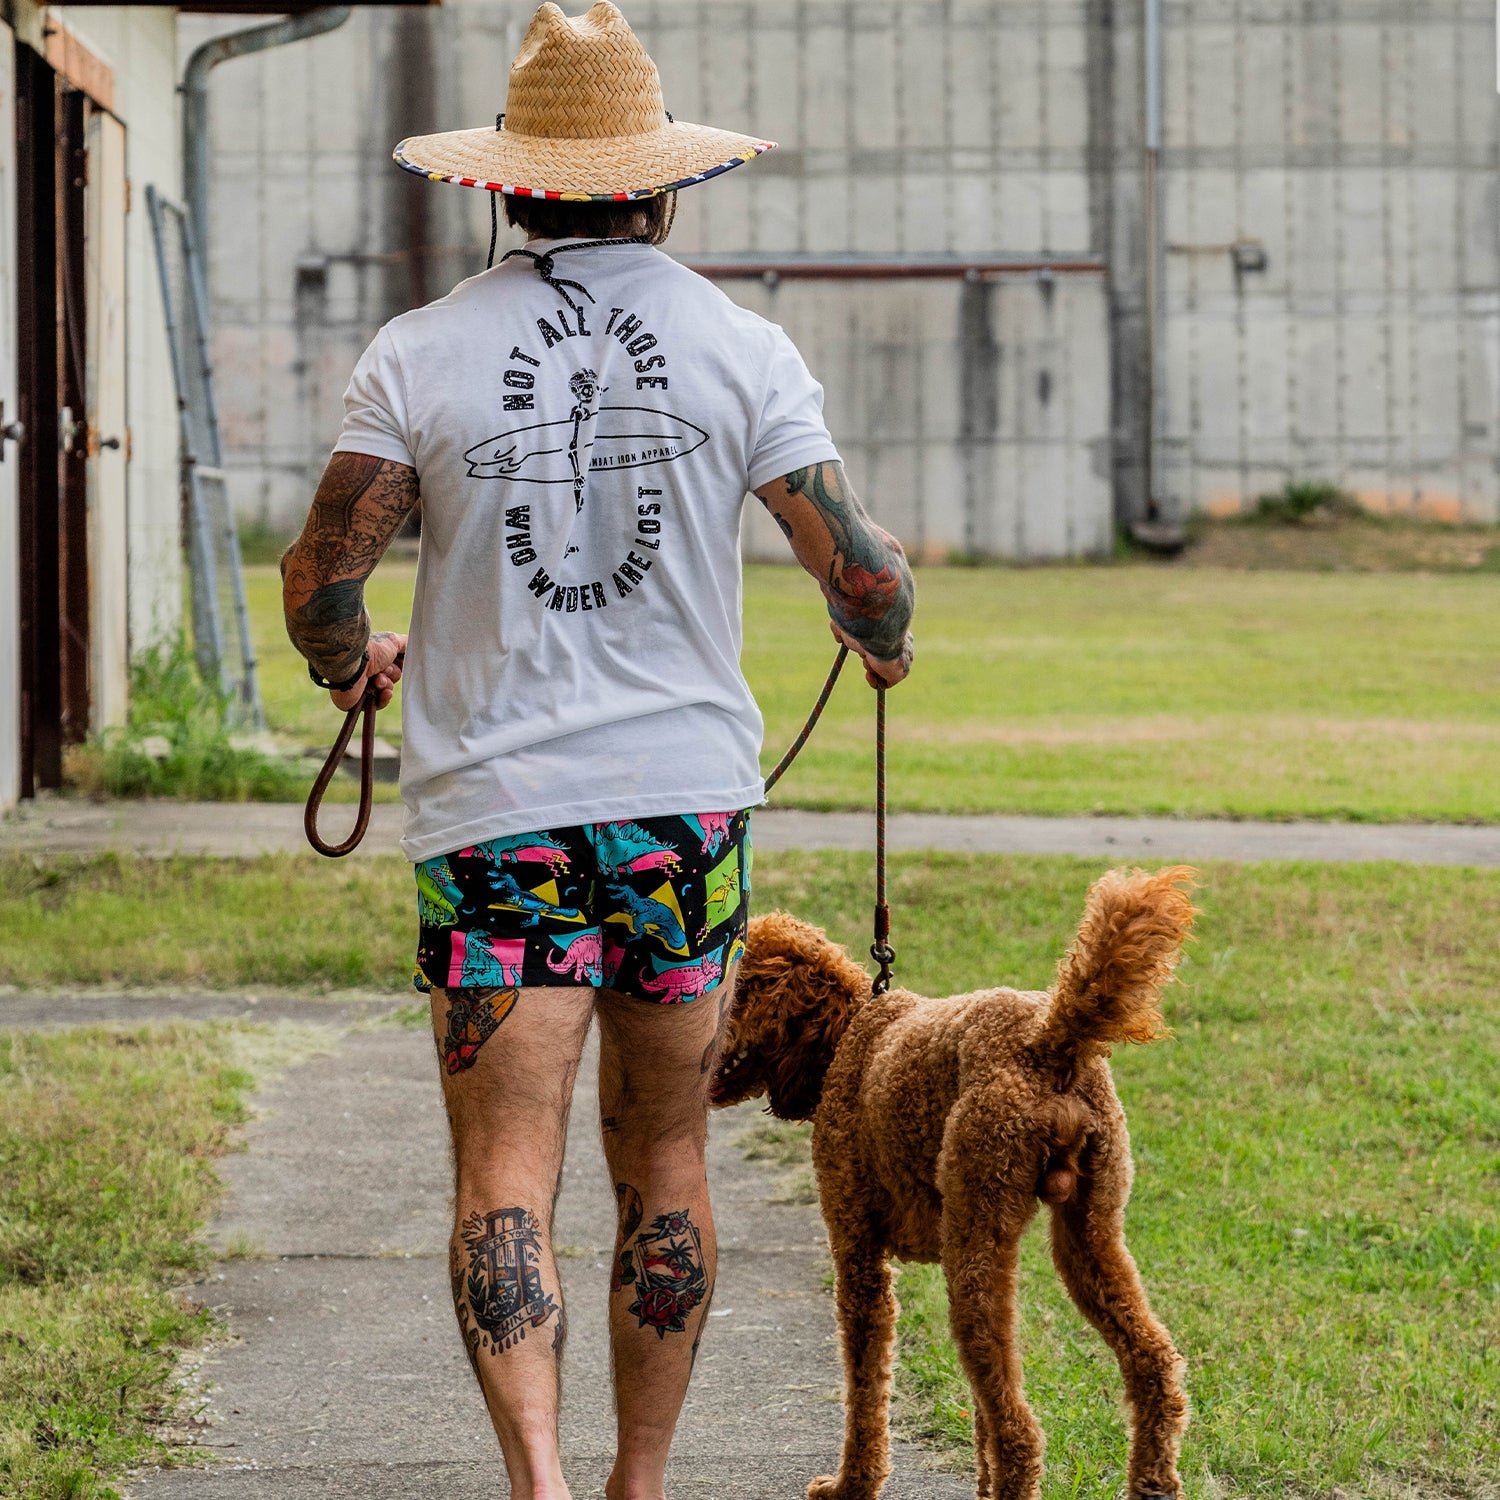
x: 1112, y: 690
x: 105, y: 1146
x: 287, y: 921
x: 1318, y: 1153
x: 1318, y: 1148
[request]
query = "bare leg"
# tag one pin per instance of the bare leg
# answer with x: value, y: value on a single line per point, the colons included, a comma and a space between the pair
x: 1088, y: 1248
x: 654, y: 1067
x: 867, y: 1327
x: 509, y: 1058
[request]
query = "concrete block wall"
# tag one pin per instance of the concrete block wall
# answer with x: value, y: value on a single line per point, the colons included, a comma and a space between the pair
x: 905, y: 127
x: 1359, y: 143
x: 973, y: 417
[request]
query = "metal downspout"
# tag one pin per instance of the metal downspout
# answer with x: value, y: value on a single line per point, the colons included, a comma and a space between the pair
x: 1155, y: 261
x: 195, y: 97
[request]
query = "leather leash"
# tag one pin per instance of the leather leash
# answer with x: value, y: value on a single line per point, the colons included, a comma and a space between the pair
x: 365, y: 706
x: 880, y: 950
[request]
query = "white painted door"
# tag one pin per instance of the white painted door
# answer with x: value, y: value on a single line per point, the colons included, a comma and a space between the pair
x: 108, y: 440
x: 10, y: 539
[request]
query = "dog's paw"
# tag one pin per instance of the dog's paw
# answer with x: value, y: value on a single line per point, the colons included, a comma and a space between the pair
x: 834, y: 1487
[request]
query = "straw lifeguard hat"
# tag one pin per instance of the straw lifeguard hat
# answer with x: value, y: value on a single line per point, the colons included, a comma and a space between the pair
x: 584, y: 121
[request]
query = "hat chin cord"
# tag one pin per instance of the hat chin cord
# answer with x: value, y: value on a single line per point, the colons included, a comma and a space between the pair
x: 543, y: 263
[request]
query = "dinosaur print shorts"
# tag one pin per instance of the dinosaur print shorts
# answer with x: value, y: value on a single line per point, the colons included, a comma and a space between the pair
x: 654, y: 908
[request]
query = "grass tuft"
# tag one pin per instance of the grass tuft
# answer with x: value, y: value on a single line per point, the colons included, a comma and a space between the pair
x: 106, y: 1139
x: 177, y: 743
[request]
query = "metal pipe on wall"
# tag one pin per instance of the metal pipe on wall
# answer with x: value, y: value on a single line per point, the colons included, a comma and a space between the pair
x: 1155, y: 243
x: 195, y: 169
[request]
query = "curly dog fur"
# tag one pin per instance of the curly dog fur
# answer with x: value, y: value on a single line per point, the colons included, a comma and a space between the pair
x: 937, y: 1127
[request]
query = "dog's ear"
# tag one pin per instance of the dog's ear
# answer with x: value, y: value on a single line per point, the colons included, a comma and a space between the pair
x: 807, y: 1011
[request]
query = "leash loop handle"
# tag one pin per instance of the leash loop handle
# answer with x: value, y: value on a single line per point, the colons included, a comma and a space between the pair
x: 365, y: 706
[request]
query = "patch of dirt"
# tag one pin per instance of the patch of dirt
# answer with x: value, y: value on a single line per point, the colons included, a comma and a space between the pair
x: 1344, y: 544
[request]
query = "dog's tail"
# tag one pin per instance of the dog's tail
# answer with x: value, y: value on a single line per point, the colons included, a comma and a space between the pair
x: 1109, y: 985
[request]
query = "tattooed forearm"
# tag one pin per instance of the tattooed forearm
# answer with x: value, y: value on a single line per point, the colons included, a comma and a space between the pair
x: 495, y: 1263
x: 661, y: 1265
x: 474, y: 1016
x: 861, y: 568
x: 360, y: 505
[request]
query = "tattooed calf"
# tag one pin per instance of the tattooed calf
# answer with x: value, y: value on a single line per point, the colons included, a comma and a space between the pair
x: 665, y: 1265
x: 474, y: 1016
x: 497, y: 1281
x: 631, y: 1211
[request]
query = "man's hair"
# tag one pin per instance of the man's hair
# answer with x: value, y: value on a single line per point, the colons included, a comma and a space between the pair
x: 552, y: 219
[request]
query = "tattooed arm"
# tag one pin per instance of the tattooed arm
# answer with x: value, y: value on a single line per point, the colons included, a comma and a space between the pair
x: 360, y: 505
x: 860, y: 568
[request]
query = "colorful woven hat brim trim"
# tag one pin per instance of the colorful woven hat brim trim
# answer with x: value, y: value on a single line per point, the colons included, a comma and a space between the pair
x: 516, y: 191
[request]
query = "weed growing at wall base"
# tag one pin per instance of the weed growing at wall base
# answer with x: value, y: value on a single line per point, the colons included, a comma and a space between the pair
x: 176, y: 743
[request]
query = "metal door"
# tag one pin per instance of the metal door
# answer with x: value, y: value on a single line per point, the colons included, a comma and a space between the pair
x: 10, y: 560
x: 50, y: 396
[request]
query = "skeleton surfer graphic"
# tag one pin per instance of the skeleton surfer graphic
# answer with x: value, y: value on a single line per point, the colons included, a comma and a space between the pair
x: 585, y: 413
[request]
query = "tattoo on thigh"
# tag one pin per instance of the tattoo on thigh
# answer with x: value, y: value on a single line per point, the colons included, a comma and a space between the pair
x: 665, y: 1265
x: 474, y: 1016
x: 497, y: 1281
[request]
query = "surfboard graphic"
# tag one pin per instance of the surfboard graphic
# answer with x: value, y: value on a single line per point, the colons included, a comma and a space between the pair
x: 624, y: 437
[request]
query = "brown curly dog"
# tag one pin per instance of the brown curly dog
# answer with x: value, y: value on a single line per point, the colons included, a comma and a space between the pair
x: 937, y: 1126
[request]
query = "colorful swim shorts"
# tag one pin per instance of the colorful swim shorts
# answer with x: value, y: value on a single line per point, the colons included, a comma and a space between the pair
x: 655, y: 908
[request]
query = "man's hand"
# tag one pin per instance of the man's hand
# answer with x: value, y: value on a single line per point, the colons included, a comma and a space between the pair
x: 878, y: 673
x: 384, y: 670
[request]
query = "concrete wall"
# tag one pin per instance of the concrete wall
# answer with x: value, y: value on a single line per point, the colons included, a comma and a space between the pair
x: 1359, y: 142
x: 952, y: 144
x: 973, y: 417
x: 1355, y: 140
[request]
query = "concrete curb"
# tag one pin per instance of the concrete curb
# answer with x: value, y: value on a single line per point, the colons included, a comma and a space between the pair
x: 62, y: 826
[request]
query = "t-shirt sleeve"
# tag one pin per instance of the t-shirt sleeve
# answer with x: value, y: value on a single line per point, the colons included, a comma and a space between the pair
x: 375, y: 406
x: 791, y: 433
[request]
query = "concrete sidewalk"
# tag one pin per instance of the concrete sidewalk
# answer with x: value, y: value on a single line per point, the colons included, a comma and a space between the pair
x: 344, y: 1376
x: 64, y: 826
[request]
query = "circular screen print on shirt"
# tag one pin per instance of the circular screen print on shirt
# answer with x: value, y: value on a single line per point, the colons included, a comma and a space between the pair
x: 597, y: 435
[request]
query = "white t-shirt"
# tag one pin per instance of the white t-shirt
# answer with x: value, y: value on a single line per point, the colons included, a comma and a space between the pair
x: 574, y: 651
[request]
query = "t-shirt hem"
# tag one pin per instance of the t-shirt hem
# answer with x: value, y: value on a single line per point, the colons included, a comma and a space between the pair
x: 376, y: 447
x: 570, y: 814
x: 793, y: 456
